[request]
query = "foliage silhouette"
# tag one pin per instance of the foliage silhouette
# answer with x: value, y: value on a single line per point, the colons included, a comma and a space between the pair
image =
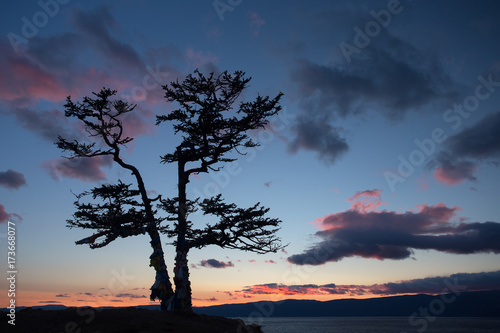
x: 120, y: 211
x: 210, y: 129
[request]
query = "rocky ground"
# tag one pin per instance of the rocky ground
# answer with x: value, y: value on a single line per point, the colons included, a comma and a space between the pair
x: 127, y: 320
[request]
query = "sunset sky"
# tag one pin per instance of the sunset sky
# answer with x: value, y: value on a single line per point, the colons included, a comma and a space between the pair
x: 383, y: 164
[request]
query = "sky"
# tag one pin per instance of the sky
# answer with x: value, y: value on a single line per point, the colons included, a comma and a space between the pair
x: 383, y: 164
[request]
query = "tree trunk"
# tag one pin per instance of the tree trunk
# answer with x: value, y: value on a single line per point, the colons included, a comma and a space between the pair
x: 162, y: 288
x: 182, y: 299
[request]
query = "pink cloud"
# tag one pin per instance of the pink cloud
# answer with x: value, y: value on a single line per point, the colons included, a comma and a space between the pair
x: 21, y: 78
x: 256, y: 22
x: 274, y: 288
x: 49, y: 70
x: 138, y: 122
x: 438, y: 214
x: 427, y: 217
x: 447, y: 177
x: 393, y: 235
x: 422, y: 181
x: 366, y: 201
x: 93, y: 79
x: 428, y: 285
x: 4, y: 216
x: 453, y: 170
x: 86, y: 169
x: 198, y: 58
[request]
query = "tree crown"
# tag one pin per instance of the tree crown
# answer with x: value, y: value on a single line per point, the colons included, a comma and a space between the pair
x: 209, y: 129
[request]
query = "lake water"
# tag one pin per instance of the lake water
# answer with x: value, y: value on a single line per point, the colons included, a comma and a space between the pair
x: 378, y: 325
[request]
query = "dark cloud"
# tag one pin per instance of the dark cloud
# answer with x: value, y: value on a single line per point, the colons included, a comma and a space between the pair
x: 304, y: 289
x: 465, y: 151
x: 211, y: 299
x: 318, y: 136
x: 62, y: 295
x: 213, y: 263
x: 50, y: 68
x: 452, y: 171
x: 48, y: 124
x: 429, y: 285
x: 481, y: 141
x: 51, y: 52
x: 12, y: 179
x: 393, y: 235
x: 434, y: 285
x: 127, y: 295
x: 389, y: 76
x: 95, y: 25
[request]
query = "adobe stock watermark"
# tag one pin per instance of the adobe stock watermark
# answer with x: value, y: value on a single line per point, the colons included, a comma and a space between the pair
x: 32, y: 25
x: 372, y: 29
x: 436, y: 307
x: 427, y: 146
x: 223, y: 6
x: 11, y: 272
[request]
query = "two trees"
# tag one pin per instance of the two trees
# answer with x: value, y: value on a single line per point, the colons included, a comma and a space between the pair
x: 211, y: 129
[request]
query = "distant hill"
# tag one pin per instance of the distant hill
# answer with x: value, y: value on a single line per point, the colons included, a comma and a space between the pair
x: 467, y: 304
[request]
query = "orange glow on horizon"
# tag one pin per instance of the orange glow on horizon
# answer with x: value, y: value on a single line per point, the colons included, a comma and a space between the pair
x: 41, y: 298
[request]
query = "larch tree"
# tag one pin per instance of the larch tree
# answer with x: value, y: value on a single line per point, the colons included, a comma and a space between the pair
x: 212, y: 125
x: 114, y: 210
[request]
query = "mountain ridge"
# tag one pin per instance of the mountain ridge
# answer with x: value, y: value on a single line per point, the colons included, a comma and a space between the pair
x: 463, y: 304
x: 460, y: 304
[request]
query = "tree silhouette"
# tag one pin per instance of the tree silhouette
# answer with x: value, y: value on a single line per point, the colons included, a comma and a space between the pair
x: 120, y: 211
x: 211, y: 129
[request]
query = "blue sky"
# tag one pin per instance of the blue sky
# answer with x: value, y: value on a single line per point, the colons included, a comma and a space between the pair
x: 387, y: 147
